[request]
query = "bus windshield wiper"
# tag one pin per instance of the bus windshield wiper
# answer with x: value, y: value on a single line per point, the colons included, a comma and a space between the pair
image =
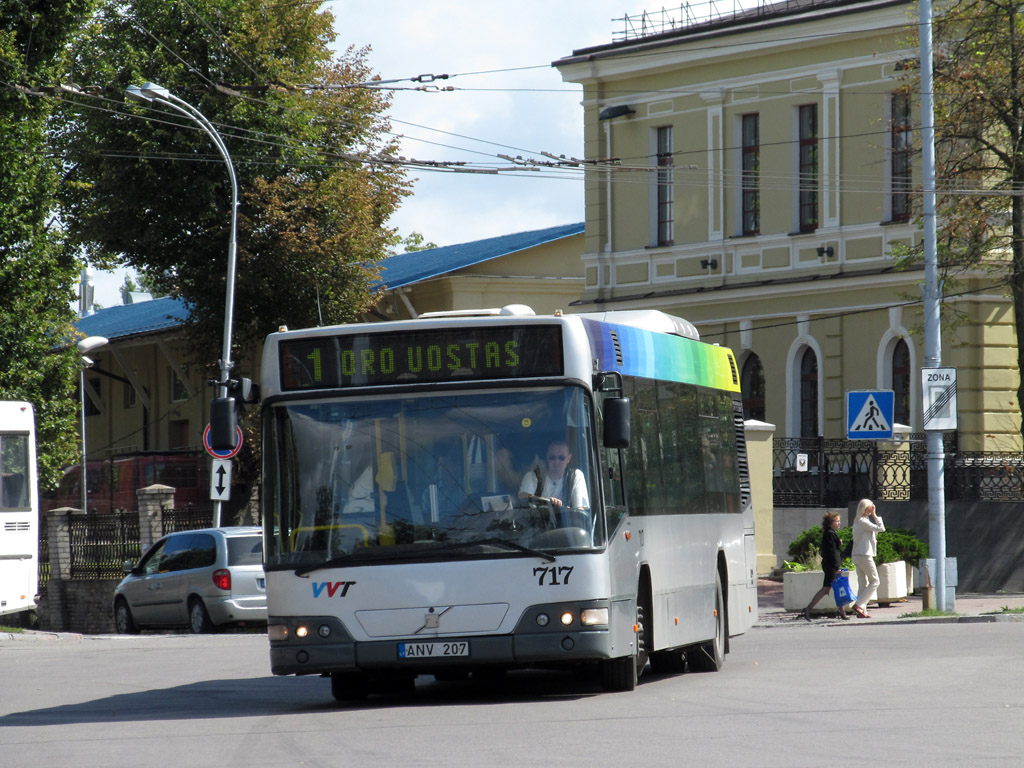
x: 499, y: 542
x: 363, y: 558
x: 378, y: 555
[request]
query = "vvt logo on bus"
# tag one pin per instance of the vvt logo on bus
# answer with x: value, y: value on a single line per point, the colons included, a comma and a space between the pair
x: 332, y: 588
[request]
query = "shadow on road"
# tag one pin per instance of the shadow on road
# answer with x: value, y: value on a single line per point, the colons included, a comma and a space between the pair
x: 212, y: 699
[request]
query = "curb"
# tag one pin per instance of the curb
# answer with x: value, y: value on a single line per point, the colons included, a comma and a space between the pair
x: 31, y: 634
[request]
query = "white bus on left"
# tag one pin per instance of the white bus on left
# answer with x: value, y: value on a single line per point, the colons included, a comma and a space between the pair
x: 19, y: 508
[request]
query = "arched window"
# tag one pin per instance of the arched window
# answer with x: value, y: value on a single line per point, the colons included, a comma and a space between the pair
x: 901, y: 382
x: 752, y: 388
x: 809, y: 394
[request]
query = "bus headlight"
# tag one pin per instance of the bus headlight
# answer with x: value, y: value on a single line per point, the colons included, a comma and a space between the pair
x: 277, y: 633
x: 566, y: 618
x: 590, y: 617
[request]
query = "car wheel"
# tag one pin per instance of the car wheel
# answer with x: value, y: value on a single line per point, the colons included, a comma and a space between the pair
x: 124, y: 622
x: 198, y: 617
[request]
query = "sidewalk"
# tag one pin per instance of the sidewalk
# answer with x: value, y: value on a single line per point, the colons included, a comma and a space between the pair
x: 974, y: 608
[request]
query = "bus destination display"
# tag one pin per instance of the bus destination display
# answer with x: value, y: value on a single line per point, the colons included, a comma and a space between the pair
x: 436, y: 355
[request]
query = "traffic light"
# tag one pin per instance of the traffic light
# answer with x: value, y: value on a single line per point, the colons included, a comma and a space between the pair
x: 223, y: 424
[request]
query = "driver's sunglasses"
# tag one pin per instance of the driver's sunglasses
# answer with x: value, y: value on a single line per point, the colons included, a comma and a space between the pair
x: 556, y: 457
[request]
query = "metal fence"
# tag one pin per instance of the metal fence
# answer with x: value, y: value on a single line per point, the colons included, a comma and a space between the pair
x: 815, y: 472
x: 101, y: 543
x: 187, y: 518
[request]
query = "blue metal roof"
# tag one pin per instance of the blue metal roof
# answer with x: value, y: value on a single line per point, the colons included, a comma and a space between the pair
x: 396, y: 271
x: 135, y: 319
x: 408, y: 268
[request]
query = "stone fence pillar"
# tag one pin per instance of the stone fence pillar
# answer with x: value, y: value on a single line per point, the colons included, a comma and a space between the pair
x: 153, y: 500
x: 759, y: 460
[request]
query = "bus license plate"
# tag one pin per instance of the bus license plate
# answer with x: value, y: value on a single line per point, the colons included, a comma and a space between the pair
x: 435, y: 650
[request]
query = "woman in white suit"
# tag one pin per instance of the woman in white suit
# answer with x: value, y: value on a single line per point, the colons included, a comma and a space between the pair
x: 867, y: 524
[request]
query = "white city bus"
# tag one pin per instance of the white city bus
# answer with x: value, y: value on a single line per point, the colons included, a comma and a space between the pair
x: 407, y: 530
x: 19, y: 508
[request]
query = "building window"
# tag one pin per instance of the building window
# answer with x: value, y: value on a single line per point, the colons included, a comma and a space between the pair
x: 901, y: 382
x: 130, y: 399
x: 751, y: 165
x: 809, y: 394
x: 902, y: 139
x: 665, y: 191
x: 808, y: 167
x: 177, y: 433
x: 179, y: 391
x: 752, y: 388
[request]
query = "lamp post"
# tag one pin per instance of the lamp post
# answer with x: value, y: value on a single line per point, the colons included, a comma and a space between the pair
x: 85, y: 346
x: 152, y: 93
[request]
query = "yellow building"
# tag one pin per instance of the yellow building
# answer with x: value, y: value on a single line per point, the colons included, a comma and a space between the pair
x: 758, y: 169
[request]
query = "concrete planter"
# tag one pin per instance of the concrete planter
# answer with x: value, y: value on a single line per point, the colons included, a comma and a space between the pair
x: 892, y: 579
x: 799, y: 588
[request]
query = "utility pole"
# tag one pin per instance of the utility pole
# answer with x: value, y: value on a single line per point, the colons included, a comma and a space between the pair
x: 932, y: 323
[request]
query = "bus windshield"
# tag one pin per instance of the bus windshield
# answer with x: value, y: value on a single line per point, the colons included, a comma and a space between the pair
x: 452, y: 476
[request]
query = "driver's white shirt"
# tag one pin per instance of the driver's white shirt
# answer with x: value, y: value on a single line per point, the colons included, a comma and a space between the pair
x: 555, y: 488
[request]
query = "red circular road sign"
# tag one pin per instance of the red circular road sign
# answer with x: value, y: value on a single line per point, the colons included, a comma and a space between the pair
x: 222, y: 454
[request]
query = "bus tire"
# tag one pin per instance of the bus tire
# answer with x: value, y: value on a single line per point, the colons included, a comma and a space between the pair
x: 349, y: 686
x: 619, y: 674
x: 710, y: 655
x: 124, y: 622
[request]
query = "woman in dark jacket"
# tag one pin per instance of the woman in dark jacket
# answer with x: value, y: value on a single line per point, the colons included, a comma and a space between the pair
x: 831, y: 561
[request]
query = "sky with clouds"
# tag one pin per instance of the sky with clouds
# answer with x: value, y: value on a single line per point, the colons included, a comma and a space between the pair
x: 524, y: 110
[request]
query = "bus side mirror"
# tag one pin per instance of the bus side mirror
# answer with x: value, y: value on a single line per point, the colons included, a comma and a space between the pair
x: 616, y: 422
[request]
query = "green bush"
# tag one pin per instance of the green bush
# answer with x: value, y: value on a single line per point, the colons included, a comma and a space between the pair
x: 894, y: 544
x: 805, y: 549
x: 900, y: 544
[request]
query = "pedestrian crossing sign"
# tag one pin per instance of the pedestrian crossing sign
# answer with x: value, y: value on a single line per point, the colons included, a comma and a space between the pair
x: 869, y: 414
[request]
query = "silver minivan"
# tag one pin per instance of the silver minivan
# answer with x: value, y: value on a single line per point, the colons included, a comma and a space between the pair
x: 200, y: 579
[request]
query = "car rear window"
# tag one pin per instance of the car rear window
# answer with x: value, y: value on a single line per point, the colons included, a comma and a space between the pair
x: 245, y: 550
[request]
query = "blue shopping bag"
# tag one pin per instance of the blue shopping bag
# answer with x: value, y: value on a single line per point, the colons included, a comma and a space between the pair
x: 841, y: 589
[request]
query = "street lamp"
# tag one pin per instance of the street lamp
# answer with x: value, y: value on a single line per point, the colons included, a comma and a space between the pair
x: 221, y: 409
x: 85, y: 346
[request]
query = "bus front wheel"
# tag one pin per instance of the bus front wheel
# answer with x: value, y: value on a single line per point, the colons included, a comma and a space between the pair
x: 349, y: 686
x: 710, y: 655
x: 619, y: 674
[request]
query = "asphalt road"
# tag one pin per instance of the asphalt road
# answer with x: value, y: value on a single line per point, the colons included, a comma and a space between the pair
x: 795, y: 695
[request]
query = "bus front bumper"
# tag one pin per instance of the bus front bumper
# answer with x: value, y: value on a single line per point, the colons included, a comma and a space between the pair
x: 320, y: 645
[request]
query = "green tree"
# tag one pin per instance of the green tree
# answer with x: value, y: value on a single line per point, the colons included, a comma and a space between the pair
x: 37, y: 270
x: 145, y: 285
x: 411, y: 243
x: 147, y: 188
x: 979, y: 146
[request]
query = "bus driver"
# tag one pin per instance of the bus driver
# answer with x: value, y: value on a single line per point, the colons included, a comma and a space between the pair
x: 552, y: 483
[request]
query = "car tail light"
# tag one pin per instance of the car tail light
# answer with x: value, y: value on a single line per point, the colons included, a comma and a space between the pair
x: 222, y: 578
